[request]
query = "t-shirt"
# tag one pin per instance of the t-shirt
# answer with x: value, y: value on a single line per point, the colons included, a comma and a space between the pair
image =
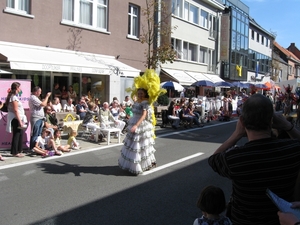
x: 254, y: 167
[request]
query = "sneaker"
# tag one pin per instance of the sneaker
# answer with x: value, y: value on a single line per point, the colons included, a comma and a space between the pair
x: 58, y: 152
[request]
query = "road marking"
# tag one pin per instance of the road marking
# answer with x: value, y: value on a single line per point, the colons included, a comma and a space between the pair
x: 172, y: 163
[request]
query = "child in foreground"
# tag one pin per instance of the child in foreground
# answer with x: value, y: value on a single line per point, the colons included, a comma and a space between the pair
x: 57, y: 138
x: 72, y: 142
x: 212, y: 203
x: 44, y: 143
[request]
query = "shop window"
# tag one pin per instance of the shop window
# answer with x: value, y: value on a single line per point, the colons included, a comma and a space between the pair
x: 133, y: 21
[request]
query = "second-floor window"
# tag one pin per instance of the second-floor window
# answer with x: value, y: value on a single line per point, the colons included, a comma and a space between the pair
x: 91, y: 13
x: 133, y: 21
x: 19, y: 5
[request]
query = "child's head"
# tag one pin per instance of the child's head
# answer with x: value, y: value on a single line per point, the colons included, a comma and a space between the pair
x: 57, y: 133
x: 74, y: 133
x: 212, y: 200
x: 45, y: 132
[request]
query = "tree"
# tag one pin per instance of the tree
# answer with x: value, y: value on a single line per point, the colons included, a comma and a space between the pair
x: 156, y: 33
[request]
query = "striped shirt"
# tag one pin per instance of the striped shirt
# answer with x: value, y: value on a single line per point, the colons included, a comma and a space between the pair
x: 254, y: 167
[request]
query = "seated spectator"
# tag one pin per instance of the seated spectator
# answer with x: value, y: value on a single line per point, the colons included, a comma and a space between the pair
x: 187, y: 120
x: 89, y: 119
x: 74, y: 144
x: 56, y: 106
x: 45, y: 145
x: 263, y: 162
x: 50, y: 120
x: 188, y: 112
x: 172, y: 115
x: 127, y: 101
x: 107, y: 120
x: 212, y: 203
x: 57, y: 138
x: 115, y: 111
x: 81, y: 108
x: 69, y: 107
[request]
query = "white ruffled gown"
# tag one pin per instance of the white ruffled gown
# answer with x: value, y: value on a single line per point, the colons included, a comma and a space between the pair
x: 137, y: 153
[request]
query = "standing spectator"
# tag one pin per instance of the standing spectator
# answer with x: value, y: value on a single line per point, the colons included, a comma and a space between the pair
x: 37, y: 113
x: 263, y: 162
x: 212, y: 203
x: 16, y: 119
x: 71, y: 93
x: 56, y: 91
x: 64, y: 96
x: 81, y: 108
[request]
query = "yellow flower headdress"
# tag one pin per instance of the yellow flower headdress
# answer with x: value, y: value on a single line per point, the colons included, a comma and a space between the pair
x: 149, y: 81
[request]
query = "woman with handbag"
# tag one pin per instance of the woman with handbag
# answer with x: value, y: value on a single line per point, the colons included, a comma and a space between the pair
x: 16, y: 119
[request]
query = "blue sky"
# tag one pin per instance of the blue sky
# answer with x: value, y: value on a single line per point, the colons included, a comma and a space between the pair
x: 279, y: 16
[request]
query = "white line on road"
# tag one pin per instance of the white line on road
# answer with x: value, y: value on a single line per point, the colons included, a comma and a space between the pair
x: 172, y: 163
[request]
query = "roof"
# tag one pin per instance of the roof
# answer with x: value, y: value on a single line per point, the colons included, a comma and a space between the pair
x: 289, y: 54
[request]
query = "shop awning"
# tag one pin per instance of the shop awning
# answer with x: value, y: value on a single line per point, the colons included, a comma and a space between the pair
x: 198, y: 76
x: 180, y: 76
x: 214, y: 78
x: 28, y: 57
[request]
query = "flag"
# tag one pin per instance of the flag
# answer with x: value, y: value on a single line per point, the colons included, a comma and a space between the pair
x: 239, y: 70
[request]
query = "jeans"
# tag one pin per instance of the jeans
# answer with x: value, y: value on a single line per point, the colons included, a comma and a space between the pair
x: 36, y: 131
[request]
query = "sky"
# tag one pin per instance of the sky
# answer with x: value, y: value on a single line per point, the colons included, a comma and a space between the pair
x: 281, y: 17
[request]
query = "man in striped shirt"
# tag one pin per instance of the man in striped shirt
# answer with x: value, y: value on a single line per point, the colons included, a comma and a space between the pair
x: 264, y: 162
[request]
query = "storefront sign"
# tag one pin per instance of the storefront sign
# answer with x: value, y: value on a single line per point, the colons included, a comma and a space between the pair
x: 24, y: 95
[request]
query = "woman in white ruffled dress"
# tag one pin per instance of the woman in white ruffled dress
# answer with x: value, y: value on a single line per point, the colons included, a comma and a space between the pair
x: 137, y: 154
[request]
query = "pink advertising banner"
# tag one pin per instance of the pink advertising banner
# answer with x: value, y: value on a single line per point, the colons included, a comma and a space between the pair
x: 24, y: 95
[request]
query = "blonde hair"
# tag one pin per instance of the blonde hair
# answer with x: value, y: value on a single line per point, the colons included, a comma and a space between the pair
x: 73, y: 133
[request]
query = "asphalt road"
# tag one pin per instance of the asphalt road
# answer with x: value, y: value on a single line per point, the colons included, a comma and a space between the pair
x: 90, y: 188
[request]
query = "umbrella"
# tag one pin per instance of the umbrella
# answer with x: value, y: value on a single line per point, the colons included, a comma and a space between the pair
x: 223, y: 84
x: 170, y: 85
x: 240, y: 84
x: 261, y: 86
x: 203, y: 83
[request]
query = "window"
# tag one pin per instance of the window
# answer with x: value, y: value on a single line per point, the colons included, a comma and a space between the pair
x: 177, y: 7
x: 262, y: 40
x: 90, y: 13
x: 203, y: 55
x: 267, y: 42
x: 194, y: 14
x: 252, y: 34
x: 19, y: 5
x: 204, y: 19
x: 257, y: 37
x: 133, y: 21
x: 192, y: 54
x: 212, y: 26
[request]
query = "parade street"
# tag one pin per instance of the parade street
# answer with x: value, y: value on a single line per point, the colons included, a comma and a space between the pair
x: 90, y: 188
